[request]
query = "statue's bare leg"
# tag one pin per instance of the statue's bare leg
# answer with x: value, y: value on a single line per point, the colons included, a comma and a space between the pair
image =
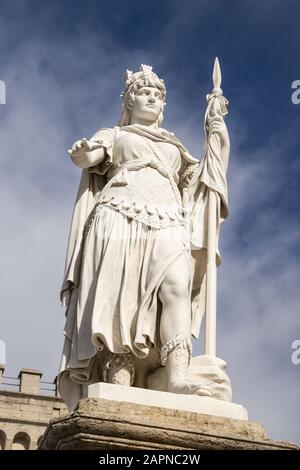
x: 175, y: 328
x: 175, y: 297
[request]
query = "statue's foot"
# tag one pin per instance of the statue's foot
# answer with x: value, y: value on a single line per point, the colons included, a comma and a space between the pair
x: 176, y: 355
x: 189, y: 389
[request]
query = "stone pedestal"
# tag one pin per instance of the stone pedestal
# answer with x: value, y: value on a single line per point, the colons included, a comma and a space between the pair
x: 189, y: 403
x: 108, y: 424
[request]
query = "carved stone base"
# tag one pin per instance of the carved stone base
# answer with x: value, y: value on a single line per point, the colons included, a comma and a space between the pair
x: 189, y: 403
x: 109, y: 425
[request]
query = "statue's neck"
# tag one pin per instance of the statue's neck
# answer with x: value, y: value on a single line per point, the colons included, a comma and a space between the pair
x: 144, y: 123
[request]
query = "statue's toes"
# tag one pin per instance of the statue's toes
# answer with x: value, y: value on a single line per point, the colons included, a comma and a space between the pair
x: 202, y: 391
x: 191, y: 389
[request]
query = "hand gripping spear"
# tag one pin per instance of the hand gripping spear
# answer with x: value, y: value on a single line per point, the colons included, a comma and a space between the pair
x: 216, y: 109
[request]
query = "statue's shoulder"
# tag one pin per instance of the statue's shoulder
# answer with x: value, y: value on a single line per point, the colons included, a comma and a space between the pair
x: 106, y: 135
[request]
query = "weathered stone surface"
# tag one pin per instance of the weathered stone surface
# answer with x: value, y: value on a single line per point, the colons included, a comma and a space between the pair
x: 104, y: 424
x: 30, y: 381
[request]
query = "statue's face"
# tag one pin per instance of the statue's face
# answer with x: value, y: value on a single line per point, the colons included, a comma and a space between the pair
x: 147, y: 105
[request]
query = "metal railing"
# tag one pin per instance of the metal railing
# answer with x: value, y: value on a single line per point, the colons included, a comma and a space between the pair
x: 14, y: 385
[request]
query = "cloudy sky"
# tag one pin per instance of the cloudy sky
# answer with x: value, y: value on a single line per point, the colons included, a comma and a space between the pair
x: 63, y: 62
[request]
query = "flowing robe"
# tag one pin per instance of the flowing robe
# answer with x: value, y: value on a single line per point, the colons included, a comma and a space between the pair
x: 130, y: 223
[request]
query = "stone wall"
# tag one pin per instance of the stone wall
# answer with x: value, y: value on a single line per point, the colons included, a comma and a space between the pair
x: 25, y: 414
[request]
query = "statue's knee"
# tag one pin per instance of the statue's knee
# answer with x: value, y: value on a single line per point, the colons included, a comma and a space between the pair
x: 173, y: 290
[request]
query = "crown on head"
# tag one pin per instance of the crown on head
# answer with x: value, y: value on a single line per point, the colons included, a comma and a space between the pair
x: 144, y: 77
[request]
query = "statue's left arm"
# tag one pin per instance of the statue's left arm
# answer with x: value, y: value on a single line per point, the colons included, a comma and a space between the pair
x: 191, y: 172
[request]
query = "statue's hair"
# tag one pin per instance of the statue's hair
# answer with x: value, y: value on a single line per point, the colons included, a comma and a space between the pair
x: 133, y: 82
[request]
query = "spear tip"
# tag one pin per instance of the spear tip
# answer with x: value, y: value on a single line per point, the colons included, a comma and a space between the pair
x: 217, y: 76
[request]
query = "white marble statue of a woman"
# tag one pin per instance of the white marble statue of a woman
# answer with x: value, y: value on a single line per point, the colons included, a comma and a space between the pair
x: 135, y: 266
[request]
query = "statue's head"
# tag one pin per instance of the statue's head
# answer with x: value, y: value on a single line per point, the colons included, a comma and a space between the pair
x: 144, y: 82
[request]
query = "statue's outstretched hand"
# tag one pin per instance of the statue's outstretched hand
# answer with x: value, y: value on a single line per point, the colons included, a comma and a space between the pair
x: 82, y: 146
x: 86, y: 153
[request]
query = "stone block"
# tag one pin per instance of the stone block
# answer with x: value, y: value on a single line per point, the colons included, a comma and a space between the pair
x: 30, y: 381
x: 110, y: 425
x: 140, y: 396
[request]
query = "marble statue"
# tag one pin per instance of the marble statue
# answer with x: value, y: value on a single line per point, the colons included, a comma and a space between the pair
x: 143, y: 248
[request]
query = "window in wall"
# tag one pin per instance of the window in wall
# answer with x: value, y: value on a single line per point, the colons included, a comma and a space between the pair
x: 21, y: 441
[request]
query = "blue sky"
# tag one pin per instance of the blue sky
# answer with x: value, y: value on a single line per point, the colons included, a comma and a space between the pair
x: 63, y: 62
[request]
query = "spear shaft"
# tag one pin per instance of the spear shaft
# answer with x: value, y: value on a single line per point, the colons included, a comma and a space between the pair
x: 212, y: 146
